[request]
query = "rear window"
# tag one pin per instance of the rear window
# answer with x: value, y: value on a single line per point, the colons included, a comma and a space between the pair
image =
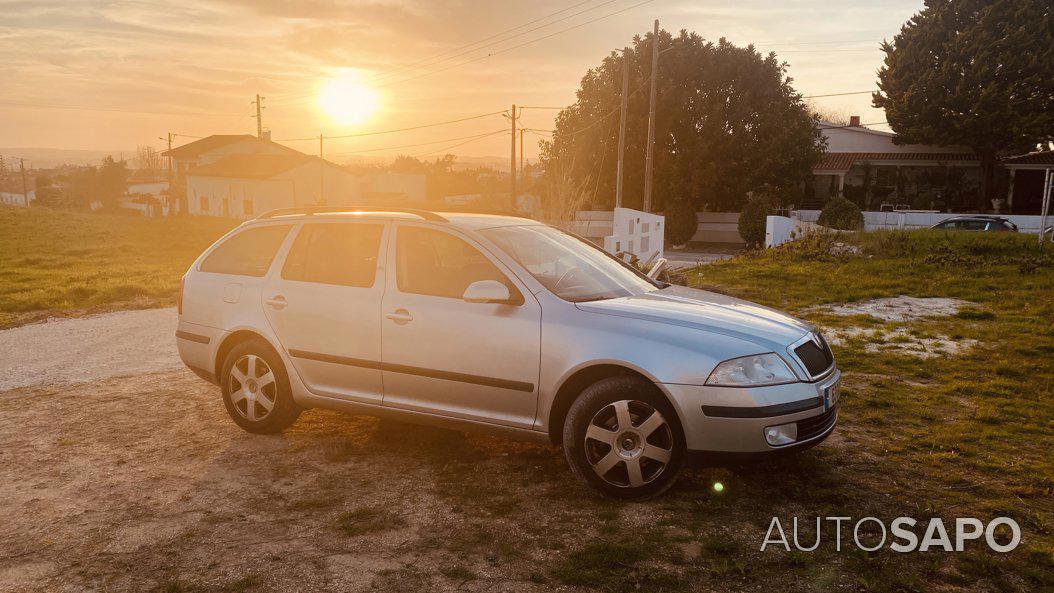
x: 341, y: 254
x: 248, y: 253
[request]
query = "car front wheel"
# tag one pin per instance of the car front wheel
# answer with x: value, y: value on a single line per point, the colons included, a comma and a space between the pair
x: 256, y: 389
x: 623, y: 438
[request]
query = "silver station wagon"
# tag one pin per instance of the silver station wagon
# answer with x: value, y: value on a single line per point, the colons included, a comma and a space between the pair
x: 500, y: 324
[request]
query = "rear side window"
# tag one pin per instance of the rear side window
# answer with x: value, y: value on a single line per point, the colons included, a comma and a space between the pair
x: 248, y: 253
x: 341, y: 254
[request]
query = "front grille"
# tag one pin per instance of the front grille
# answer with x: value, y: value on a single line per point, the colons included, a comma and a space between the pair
x: 811, y: 427
x: 816, y: 359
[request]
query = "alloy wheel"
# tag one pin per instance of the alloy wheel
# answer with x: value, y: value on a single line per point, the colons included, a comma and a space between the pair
x: 252, y: 386
x: 628, y: 443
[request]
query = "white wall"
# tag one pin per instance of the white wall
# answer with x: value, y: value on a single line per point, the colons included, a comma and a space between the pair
x: 13, y: 199
x: 920, y: 220
x: 713, y: 227
x: 864, y: 140
x: 299, y: 186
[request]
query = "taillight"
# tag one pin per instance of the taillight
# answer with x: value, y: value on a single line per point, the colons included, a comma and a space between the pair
x: 179, y: 299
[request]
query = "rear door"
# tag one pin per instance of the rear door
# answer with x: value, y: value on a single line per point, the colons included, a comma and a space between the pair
x: 446, y: 356
x: 324, y: 305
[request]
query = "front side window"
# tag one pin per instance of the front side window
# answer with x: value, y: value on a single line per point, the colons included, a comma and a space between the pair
x: 248, y: 253
x: 436, y: 263
x: 570, y: 268
x: 340, y: 254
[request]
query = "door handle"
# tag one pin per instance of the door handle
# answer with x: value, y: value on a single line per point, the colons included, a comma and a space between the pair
x: 278, y: 302
x: 400, y: 316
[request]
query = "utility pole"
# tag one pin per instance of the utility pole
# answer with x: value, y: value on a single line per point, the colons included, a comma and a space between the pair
x: 259, y: 115
x: 512, y: 160
x: 25, y: 187
x: 649, y: 163
x: 169, y: 158
x: 321, y: 173
x: 622, y: 128
x: 522, y: 179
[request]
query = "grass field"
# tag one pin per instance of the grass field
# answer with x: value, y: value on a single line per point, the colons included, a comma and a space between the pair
x: 58, y: 261
x: 969, y: 434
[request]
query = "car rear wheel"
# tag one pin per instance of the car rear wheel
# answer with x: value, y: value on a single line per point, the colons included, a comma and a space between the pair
x: 256, y: 389
x: 623, y: 438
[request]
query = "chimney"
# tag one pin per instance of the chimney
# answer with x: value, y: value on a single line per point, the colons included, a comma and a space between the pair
x: 854, y: 121
x: 266, y: 134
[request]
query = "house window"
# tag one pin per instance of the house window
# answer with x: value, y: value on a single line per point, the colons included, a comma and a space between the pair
x: 204, y: 204
x: 247, y: 206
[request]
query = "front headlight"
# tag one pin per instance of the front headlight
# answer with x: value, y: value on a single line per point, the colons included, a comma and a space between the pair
x: 752, y: 371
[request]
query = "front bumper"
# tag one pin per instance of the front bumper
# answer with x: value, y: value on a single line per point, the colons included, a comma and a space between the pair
x: 734, y: 419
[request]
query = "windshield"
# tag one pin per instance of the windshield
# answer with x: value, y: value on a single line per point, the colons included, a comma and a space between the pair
x: 573, y: 269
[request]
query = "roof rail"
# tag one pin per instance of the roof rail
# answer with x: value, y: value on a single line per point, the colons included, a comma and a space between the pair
x: 309, y: 210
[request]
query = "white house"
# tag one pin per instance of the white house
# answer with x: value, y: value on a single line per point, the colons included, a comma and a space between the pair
x: 242, y: 176
x: 245, y: 185
x: 866, y: 164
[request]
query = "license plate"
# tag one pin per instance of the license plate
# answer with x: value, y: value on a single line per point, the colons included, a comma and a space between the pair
x: 830, y: 395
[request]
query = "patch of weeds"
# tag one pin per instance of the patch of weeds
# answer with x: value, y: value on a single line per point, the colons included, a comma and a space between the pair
x: 245, y: 583
x: 369, y: 520
x: 458, y: 572
x: 975, y: 314
x: 616, y: 567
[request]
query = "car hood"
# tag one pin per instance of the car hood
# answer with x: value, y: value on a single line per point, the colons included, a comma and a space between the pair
x: 707, y: 311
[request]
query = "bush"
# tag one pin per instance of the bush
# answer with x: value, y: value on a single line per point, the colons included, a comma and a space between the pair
x: 681, y: 222
x: 752, y: 221
x: 840, y: 213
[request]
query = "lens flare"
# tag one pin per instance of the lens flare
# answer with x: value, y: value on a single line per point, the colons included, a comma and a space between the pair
x: 719, y: 487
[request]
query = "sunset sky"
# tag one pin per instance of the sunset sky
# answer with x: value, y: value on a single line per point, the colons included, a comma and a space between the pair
x: 192, y: 67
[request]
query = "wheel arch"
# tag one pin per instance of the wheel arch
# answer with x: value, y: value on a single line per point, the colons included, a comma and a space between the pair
x: 582, y: 378
x: 233, y: 339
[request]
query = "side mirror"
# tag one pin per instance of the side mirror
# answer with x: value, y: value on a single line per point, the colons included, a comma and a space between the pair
x: 487, y: 291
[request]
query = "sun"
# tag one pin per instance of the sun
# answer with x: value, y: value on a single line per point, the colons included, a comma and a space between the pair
x: 347, y: 100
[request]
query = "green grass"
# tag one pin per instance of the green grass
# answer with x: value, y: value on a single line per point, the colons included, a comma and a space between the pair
x: 53, y: 261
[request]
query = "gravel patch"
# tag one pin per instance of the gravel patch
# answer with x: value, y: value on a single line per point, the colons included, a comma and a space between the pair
x: 901, y: 341
x: 81, y: 350
x: 900, y: 309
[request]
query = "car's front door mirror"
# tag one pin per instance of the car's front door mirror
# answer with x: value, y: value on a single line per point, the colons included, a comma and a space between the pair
x: 486, y: 291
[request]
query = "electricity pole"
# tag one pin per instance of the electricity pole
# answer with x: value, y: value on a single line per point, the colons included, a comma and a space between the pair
x: 649, y: 163
x: 169, y: 158
x: 321, y: 173
x: 522, y: 180
x: 622, y: 128
x: 259, y: 115
x: 512, y: 160
x: 25, y: 188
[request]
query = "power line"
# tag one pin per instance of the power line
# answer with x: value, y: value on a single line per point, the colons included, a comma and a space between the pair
x: 837, y: 94
x: 458, y: 144
x: 497, y: 35
x: 359, y: 135
x: 517, y: 46
x: 473, y: 136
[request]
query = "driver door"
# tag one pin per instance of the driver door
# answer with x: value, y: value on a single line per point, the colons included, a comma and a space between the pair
x: 443, y: 355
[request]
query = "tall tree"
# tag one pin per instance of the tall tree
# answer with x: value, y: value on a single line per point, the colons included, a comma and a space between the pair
x: 976, y: 73
x: 728, y: 122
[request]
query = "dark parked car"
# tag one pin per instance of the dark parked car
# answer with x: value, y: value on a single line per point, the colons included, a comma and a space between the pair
x: 976, y: 223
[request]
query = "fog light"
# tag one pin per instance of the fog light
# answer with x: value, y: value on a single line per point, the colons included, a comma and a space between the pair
x: 784, y: 434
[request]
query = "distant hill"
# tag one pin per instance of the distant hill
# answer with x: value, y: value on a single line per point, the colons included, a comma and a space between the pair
x: 43, y: 158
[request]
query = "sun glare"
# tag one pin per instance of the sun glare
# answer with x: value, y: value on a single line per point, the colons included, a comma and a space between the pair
x: 347, y: 100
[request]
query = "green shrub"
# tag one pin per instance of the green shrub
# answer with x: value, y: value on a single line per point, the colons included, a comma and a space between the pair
x: 840, y: 213
x: 681, y: 222
x: 752, y: 221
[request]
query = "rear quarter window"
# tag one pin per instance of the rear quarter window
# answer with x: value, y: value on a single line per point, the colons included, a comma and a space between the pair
x: 248, y: 253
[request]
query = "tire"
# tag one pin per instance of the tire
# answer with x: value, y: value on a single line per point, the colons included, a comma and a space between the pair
x: 629, y: 463
x: 246, y: 395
